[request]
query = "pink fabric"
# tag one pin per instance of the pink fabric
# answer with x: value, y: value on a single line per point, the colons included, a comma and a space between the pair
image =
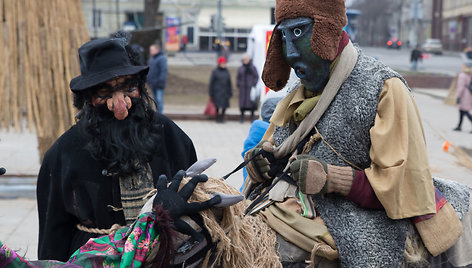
x: 463, y: 92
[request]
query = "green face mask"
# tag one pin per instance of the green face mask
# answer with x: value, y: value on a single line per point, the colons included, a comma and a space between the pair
x: 312, y: 70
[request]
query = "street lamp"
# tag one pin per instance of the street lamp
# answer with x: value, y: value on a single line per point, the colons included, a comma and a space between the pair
x: 118, y: 24
x: 416, y: 13
x: 219, y: 23
x: 94, y: 18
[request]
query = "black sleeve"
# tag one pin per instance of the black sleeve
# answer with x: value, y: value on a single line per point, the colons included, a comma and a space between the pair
x: 179, y: 146
x: 55, y: 224
x: 230, y: 85
x: 239, y: 78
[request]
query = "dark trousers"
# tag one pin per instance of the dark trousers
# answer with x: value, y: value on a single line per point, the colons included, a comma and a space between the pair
x: 246, y: 109
x: 461, y: 116
x: 220, y: 114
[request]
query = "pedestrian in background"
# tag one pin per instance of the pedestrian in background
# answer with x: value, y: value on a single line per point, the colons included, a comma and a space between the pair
x: 415, y: 57
x: 464, y: 88
x: 184, y: 43
x: 157, y: 75
x: 246, y: 79
x: 221, y: 89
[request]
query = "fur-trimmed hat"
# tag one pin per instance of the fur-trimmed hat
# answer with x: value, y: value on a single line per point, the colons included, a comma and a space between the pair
x: 330, y: 19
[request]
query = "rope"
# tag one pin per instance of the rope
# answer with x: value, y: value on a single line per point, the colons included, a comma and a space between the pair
x: 114, y: 208
x: 151, y: 193
x: 336, y: 152
x: 111, y: 230
x: 309, y: 145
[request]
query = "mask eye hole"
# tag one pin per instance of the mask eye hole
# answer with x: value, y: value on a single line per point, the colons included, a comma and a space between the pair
x: 297, y: 32
x: 283, y: 34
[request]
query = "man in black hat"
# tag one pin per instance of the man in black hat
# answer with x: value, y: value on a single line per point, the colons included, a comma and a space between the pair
x: 98, y: 173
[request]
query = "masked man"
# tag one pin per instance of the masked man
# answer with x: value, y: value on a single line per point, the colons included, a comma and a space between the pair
x: 98, y: 173
x: 344, y: 161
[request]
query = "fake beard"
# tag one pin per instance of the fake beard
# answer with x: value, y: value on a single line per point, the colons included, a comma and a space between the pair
x: 125, y: 146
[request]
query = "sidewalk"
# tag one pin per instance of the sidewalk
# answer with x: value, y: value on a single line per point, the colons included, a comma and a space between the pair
x: 18, y: 216
x: 438, y: 121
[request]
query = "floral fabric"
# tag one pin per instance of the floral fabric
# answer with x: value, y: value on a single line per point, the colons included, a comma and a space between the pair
x: 128, y: 247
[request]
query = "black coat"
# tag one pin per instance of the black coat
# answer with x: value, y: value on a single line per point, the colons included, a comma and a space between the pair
x: 221, y: 89
x: 71, y: 188
x: 415, y: 55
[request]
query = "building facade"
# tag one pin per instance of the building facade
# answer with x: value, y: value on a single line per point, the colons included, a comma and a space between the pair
x: 406, y: 20
x: 191, y: 20
x: 412, y: 20
x: 456, y: 26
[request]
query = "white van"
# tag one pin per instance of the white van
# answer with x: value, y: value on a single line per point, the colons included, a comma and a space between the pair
x: 257, y: 44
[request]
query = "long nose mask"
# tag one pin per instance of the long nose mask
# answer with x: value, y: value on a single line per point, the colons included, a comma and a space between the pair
x: 119, y: 104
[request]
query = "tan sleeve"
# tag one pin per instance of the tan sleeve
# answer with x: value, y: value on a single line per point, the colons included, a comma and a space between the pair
x: 399, y: 172
x: 269, y: 134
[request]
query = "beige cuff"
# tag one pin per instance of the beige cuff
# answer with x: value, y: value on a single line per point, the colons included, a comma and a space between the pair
x: 340, y: 179
x: 440, y: 232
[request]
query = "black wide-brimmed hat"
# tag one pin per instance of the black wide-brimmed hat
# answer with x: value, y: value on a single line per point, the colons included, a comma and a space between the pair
x: 102, y: 60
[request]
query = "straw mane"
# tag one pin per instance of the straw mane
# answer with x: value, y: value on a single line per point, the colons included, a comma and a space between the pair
x: 247, y: 241
x: 242, y: 241
x: 39, y: 57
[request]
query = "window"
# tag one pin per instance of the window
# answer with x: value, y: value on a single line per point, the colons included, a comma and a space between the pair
x: 242, y: 44
x: 135, y: 18
x: 204, y: 43
x: 190, y: 35
x: 96, y: 18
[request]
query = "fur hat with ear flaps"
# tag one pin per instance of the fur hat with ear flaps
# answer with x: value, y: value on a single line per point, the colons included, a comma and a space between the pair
x: 330, y: 18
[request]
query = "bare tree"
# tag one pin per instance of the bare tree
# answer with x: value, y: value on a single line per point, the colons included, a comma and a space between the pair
x: 151, y: 8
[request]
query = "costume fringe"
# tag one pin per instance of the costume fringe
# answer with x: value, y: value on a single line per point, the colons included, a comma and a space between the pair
x: 415, y: 252
x: 161, y: 255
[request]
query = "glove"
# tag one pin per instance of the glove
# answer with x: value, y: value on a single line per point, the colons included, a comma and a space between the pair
x: 176, y: 202
x: 313, y: 176
x: 259, y: 167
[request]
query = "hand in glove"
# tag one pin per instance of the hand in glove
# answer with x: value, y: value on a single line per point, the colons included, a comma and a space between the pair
x: 176, y: 202
x: 313, y: 176
x: 259, y: 167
